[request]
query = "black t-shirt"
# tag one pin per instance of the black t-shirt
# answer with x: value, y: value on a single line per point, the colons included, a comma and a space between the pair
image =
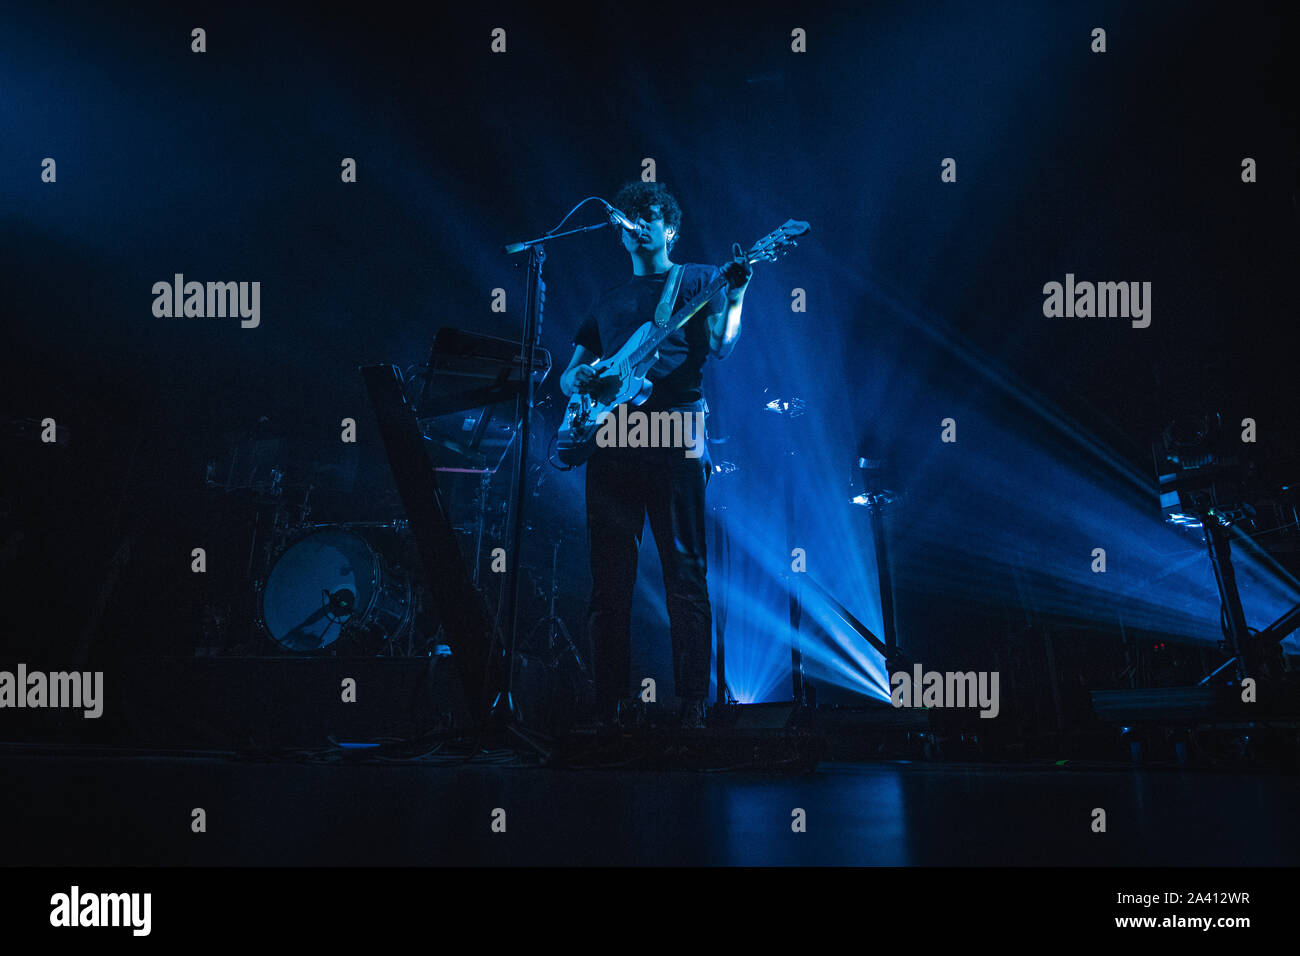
x: 679, y: 374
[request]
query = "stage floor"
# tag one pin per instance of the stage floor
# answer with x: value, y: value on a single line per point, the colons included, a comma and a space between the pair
x: 87, y: 809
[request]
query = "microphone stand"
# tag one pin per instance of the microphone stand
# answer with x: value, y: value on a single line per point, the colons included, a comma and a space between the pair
x: 503, y: 717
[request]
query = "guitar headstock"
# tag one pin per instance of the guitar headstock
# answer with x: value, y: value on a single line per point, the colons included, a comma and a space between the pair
x: 779, y: 241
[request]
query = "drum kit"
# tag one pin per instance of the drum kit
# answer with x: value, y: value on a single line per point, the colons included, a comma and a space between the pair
x: 301, y: 585
x: 316, y: 587
x: 332, y: 587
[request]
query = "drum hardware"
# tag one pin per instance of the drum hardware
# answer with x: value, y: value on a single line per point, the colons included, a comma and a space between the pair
x: 283, y: 524
x: 276, y: 476
x: 242, y: 529
x: 558, y: 639
x: 485, y: 482
x: 250, y: 454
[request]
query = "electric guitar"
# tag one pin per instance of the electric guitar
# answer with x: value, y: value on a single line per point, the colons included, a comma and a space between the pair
x: 620, y: 378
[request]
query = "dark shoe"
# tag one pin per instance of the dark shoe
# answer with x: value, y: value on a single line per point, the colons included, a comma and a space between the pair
x: 692, y: 717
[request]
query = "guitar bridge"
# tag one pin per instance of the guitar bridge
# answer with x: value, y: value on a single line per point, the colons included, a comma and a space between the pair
x: 580, y: 414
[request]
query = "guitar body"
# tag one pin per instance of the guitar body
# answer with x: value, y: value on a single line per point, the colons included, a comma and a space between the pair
x: 622, y: 380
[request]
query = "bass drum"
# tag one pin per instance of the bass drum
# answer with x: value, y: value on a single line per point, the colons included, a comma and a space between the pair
x: 339, y: 586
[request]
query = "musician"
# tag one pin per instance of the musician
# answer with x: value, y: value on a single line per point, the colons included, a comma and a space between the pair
x: 627, y: 485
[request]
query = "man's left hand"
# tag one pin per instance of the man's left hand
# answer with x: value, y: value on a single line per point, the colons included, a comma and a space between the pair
x: 737, y: 272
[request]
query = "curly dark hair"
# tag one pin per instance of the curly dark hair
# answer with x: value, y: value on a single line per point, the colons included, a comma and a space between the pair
x: 636, y: 198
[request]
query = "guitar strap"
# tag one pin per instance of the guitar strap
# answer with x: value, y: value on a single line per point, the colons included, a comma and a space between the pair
x: 664, y: 310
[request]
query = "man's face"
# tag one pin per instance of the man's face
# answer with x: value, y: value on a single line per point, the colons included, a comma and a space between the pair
x: 651, y: 235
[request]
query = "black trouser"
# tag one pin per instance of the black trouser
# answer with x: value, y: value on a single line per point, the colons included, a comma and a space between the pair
x: 624, y: 485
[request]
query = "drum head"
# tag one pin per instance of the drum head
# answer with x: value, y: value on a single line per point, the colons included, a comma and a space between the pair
x: 316, y: 587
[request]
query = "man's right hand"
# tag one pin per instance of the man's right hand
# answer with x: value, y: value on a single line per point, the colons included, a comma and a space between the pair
x: 581, y: 375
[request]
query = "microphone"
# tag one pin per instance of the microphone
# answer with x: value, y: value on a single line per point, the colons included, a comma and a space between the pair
x: 618, y: 219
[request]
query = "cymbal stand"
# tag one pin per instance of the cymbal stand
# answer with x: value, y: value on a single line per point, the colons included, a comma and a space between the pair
x: 558, y: 638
